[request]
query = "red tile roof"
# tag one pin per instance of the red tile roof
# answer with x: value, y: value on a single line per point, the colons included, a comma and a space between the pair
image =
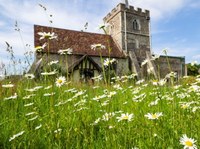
x: 79, y: 41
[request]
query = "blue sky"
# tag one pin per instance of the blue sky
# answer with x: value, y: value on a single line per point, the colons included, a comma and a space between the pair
x: 175, y: 24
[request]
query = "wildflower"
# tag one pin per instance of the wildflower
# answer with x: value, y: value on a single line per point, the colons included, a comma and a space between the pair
x: 194, y: 88
x: 185, y: 105
x: 72, y: 90
x: 29, y: 104
x: 105, y: 103
x: 154, y: 57
x: 79, y: 94
x: 49, y: 73
x: 96, y: 121
x: 49, y: 94
x: 193, y: 63
x: 150, y: 70
x: 52, y: 62
x: 8, y: 85
x: 132, y: 76
x: 126, y: 116
x: 16, y: 135
x: 153, y: 116
x: 117, y: 86
x: 107, y: 116
x: 177, y: 86
x: 189, y: 143
x: 48, y: 87
x: 34, y: 118
x: 195, y: 108
x: 110, y: 127
x: 34, y: 89
x: 48, y: 35
x: 139, y: 82
x: 98, y: 78
x: 95, y: 87
x: 171, y: 75
x: 185, y: 77
x: 40, y: 48
x: 31, y: 113
x: 155, y: 82
x: 107, y: 61
x: 60, y: 81
x: 162, y: 82
x: 144, y: 62
x: 11, y: 97
x: 103, y: 26
x: 139, y: 98
x: 111, y: 94
x: 58, y: 130
x: 28, y: 96
x: 38, y: 127
x: 99, y: 97
x: 29, y: 76
x: 153, y: 103
x: 97, y: 46
x: 65, y: 51
x: 80, y: 103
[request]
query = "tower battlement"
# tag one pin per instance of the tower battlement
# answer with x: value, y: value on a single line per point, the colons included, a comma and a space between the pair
x: 131, y: 9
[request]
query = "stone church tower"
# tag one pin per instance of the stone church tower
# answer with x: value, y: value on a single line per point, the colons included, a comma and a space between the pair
x: 130, y: 28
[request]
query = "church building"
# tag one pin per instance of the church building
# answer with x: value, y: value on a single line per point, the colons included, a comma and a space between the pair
x: 127, y: 40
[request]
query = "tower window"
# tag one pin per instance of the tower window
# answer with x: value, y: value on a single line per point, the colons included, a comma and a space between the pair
x: 136, y: 25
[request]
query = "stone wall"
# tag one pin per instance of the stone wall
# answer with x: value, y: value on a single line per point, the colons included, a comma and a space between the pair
x: 176, y: 64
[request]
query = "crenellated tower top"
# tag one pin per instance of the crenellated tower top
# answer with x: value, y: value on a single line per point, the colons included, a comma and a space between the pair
x: 122, y: 7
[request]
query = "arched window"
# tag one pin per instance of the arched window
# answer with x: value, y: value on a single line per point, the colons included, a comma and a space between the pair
x: 136, y: 25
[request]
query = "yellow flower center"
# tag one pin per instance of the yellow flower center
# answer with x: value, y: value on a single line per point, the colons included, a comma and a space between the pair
x: 60, y: 81
x: 185, y: 106
x: 188, y: 143
x: 125, y: 117
x: 47, y: 36
x: 154, y: 116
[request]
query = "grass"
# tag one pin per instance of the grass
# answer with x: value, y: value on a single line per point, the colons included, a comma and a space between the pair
x: 66, y: 119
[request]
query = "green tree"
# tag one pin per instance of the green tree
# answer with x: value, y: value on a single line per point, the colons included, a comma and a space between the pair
x: 193, y: 69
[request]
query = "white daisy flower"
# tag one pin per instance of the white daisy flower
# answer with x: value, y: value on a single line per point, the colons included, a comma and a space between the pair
x: 144, y: 62
x: 40, y: 48
x: 29, y: 76
x: 65, y: 51
x: 60, y: 81
x: 97, y: 46
x: 140, y: 82
x: 8, y: 85
x: 154, y: 57
x: 162, y: 82
x: 126, y: 116
x: 16, y: 135
x: 48, y: 35
x: 11, y: 97
x: 188, y: 143
x: 49, y: 73
x: 98, y: 78
x: 108, y: 61
x: 154, y: 116
x: 53, y: 62
x: 104, y: 25
x: 38, y: 127
x: 49, y: 94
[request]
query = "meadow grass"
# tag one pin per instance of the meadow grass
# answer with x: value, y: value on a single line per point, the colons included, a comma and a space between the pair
x: 88, y: 116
